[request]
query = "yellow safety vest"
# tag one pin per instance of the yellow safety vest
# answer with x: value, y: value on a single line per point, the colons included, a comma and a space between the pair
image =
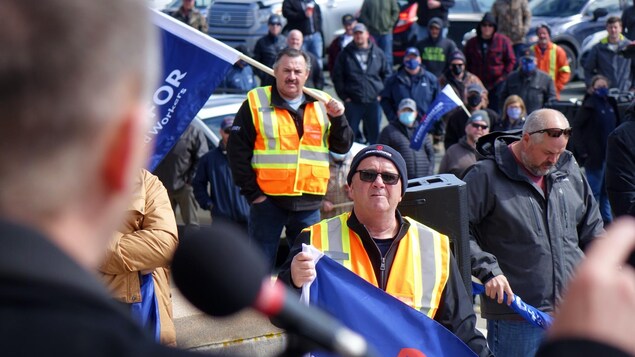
x: 285, y: 164
x: 420, y: 269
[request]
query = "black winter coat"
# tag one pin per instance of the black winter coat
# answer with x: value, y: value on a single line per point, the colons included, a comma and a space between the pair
x: 419, y: 163
x: 51, y: 306
x: 352, y: 82
x: 620, y: 169
x: 589, y: 133
x: 294, y: 12
x: 536, y: 89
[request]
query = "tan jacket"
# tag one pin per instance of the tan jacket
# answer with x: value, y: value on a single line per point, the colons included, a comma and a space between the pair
x: 513, y: 18
x: 146, y: 241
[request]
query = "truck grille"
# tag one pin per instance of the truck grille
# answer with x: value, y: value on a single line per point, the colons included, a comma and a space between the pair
x: 232, y: 15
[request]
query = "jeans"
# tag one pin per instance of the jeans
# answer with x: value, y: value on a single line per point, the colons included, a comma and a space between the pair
x: 598, y: 187
x: 370, y: 115
x: 266, y: 221
x: 421, y: 32
x: 385, y: 43
x: 513, y: 338
x: 315, y: 44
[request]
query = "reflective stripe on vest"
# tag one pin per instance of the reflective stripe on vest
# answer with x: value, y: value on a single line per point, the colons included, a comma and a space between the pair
x: 285, y: 164
x: 552, y: 60
x: 419, y: 271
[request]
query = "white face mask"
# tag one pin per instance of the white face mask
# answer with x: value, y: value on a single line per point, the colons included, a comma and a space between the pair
x: 407, y: 118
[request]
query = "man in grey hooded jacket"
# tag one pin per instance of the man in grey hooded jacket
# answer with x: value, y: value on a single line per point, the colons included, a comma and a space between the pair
x: 531, y: 214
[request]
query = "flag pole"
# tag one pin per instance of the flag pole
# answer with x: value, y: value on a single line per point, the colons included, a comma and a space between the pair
x: 465, y: 110
x: 207, y: 42
x: 262, y: 67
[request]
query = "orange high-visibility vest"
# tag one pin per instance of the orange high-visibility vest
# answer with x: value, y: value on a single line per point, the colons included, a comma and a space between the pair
x: 285, y: 164
x: 554, y: 64
x: 418, y: 273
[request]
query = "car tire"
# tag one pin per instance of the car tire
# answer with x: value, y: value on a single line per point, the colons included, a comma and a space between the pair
x: 573, y: 59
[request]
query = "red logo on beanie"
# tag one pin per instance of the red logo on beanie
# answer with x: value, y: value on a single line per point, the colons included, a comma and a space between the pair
x: 380, y: 147
x: 410, y: 352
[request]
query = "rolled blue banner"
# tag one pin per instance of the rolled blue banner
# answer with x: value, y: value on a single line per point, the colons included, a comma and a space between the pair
x: 528, y: 312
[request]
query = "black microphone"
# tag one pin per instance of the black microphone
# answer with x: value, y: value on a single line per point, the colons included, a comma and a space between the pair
x: 220, y: 273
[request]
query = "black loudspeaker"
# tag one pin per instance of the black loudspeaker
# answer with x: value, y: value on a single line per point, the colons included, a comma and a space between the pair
x: 440, y: 202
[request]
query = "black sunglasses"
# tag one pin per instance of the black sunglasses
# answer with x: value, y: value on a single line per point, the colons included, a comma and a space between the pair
x: 554, y: 132
x: 479, y: 126
x: 370, y: 176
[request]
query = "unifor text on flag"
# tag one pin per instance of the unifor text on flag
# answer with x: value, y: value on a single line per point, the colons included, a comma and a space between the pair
x: 193, y: 65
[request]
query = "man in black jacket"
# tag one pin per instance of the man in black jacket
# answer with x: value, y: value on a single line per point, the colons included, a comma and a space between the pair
x: 534, y: 86
x: 76, y: 114
x: 620, y: 166
x: 398, y: 135
x: 268, y: 47
x: 531, y: 214
x: 306, y: 16
x: 359, y: 75
x: 428, y: 9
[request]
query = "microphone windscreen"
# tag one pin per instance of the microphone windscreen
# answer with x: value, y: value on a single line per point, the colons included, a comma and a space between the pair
x: 217, y: 270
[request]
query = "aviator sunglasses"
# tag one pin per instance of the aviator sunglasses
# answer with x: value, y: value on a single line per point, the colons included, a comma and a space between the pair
x: 554, y: 132
x: 370, y: 176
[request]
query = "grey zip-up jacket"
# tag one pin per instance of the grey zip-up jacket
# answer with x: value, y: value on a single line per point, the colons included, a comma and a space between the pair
x: 535, y: 240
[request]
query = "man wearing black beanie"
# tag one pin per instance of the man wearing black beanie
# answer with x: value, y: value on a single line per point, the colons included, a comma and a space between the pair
x: 377, y: 243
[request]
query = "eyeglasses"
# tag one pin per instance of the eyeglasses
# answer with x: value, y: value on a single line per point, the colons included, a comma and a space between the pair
x: 370, y: 176
x: 554, y: 132
x: 479, y: 126
x: 487, y: 24
x: 275, y: 24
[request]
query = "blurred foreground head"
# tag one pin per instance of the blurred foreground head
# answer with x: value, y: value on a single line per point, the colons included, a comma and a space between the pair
x: 74, y: 75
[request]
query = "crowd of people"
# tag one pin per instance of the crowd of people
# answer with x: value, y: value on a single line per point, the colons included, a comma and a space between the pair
x: 508, y: 148
x: 76, y: 206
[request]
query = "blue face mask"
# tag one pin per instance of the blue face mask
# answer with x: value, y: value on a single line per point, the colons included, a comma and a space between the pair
x: 407, y: 118
x: 514, y: 113
x: 338, y: 157
x: 601, y: 92
x: 528, y: 67
x: 411, y: 63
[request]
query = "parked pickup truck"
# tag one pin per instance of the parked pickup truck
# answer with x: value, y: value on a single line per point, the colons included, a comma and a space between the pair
x: 237, y: 22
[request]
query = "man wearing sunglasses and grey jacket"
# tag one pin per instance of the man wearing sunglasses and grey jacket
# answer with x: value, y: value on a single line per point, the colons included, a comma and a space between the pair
x: 376, y: 242
x: 531, y: 215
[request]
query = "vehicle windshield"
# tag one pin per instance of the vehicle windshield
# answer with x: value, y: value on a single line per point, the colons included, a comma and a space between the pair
x: 556, y: 8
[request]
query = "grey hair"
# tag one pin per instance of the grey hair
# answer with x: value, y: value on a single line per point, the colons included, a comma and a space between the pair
x: 67, y: 67
x: 290, y: 52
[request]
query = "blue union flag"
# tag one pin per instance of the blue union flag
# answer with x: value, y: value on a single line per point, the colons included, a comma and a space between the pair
x: 445, y: 101
x: 393, y: 328
x: 193, y: 65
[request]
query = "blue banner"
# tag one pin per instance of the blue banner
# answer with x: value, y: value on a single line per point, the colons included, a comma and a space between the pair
x: 528, y: 312
x: 390, y: 326
x: 193, y: 65
x: 445, y: 101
